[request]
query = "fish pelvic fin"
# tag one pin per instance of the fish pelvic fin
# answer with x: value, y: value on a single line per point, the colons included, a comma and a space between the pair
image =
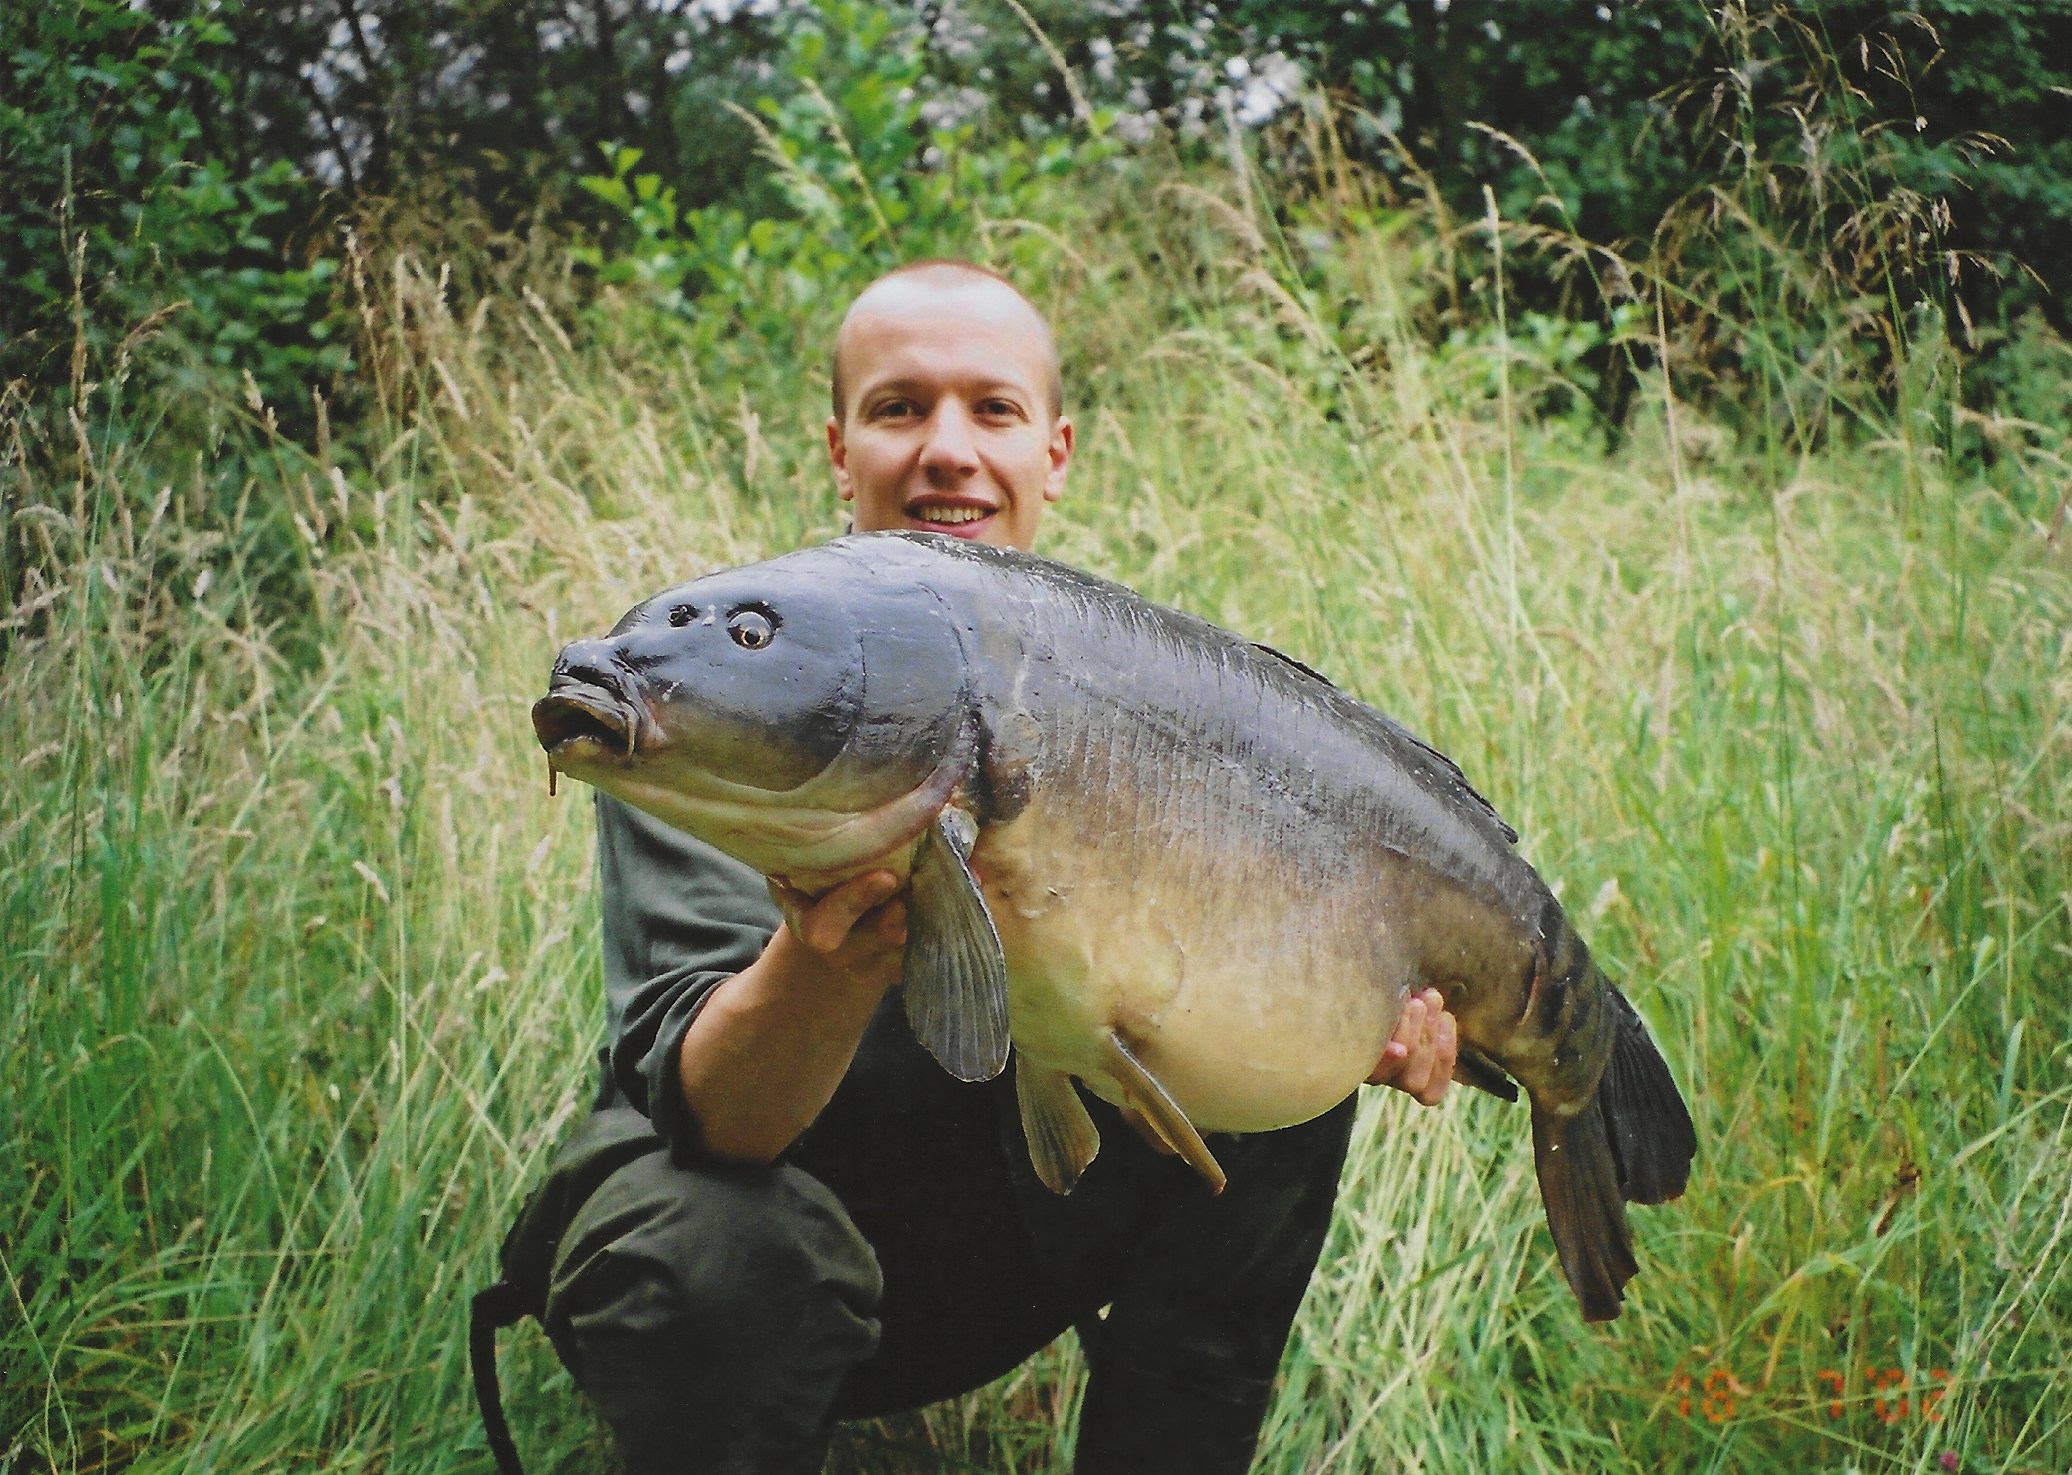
x: 1579, y: 1183
x: 1652, y: 1139
x: 1155, y: 1104
x: 1063, y: 1139
x: 955, y: 975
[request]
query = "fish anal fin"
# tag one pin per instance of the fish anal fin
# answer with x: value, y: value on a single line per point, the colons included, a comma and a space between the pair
x: 1155, y: 1104
x: 955, y: 975
x: 1472, y: 1068
x: 1063, y: 1139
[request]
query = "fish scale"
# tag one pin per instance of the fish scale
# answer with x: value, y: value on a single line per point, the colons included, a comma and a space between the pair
x: 1149, y: 858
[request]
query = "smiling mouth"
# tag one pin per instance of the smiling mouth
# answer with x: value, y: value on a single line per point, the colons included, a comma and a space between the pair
x: 950, y: 516
x: 582, y: 720
x: 952, y: 523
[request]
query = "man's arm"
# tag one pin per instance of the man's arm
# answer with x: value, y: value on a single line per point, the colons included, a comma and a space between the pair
x: 731, y: 1022
x: 765, y: 1054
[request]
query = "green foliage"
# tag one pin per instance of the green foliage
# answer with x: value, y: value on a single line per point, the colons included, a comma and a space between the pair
x: 1915, y: 161
x: 302, y: 960
x: 502, y: 101
x: 1804, y: 275
x: 302, y: 985
x: 778, y: 155
x: 125, y: 199
x: 1548, y: 366
x: 862, y: 178
x: 1976, y: 91
x: 1800, y: 289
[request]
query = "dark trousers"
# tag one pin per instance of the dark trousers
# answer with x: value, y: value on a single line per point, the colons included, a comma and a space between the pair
x: 722, y: 1317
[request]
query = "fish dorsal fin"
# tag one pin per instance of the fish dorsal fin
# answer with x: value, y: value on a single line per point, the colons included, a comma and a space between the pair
x: 955, y: 975
x: 1144, y: 1092
x: 1447, y: 766
x: 1062, y: 1137
x: 1303, y: 666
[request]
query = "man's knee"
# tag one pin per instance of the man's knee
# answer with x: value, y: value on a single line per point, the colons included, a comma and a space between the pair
x: 683, y: 1300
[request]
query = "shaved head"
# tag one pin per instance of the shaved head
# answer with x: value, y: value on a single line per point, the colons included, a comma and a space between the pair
x: 960, y: 287
x: 947, y: 411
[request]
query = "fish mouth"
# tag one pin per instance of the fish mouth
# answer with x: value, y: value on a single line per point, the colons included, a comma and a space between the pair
x: 583, y: 721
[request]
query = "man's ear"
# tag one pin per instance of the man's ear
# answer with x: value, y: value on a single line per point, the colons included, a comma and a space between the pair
x: 1060, y: 458
x: 838, y: 457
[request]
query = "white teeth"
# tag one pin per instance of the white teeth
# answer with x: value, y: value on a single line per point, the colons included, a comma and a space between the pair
x: 949, y: 514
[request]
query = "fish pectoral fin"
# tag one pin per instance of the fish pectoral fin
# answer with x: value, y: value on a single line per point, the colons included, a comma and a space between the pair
x: 1155, y: 1104
x: 955, y: 975
x: 1471, y: 1067
x: 1062, y: 1137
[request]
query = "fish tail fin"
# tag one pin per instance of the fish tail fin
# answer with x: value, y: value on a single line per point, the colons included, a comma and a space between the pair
x: 1608, y: 1126
x: 1630, y: 1142
x: 1645, y: 1118
x: 1586, y: 1213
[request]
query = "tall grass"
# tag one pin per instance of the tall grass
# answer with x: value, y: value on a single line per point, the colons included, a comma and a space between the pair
x: 300, y: 959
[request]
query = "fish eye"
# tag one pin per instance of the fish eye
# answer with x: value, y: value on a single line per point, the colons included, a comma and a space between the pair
x: 751, y: 629
x: 681, y: 615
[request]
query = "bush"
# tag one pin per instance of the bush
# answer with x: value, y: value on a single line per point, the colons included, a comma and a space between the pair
x: 866, y: 174
x: 128, y: 200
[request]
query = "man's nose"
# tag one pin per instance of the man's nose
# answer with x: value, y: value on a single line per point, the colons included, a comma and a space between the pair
x: 951, y: 448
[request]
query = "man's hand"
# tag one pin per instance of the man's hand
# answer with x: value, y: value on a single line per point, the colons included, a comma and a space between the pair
x: 1419, y: 1057
x: 856, y: 931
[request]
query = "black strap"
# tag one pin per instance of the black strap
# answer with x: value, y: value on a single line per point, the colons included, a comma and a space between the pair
x: 500, y: 1305
x: 606, y: 1142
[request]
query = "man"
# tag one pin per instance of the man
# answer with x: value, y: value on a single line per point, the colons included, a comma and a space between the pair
x: 784, y: 1212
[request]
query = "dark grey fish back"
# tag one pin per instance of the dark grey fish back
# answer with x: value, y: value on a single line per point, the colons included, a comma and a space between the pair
x: 1160, y: 688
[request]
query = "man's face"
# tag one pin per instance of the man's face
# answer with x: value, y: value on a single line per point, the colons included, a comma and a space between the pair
x: 947, y: 424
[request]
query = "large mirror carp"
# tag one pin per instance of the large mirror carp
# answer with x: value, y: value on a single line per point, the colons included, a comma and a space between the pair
x: 1150, y: 856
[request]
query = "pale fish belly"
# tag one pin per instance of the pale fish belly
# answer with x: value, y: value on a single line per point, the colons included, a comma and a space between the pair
x: 1257, y: 1002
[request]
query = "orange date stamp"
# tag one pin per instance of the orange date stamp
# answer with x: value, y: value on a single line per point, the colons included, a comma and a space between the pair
x: 1889, y: 1395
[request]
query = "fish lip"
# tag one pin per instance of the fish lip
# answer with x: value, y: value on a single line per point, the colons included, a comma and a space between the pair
x: 576, y: 720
